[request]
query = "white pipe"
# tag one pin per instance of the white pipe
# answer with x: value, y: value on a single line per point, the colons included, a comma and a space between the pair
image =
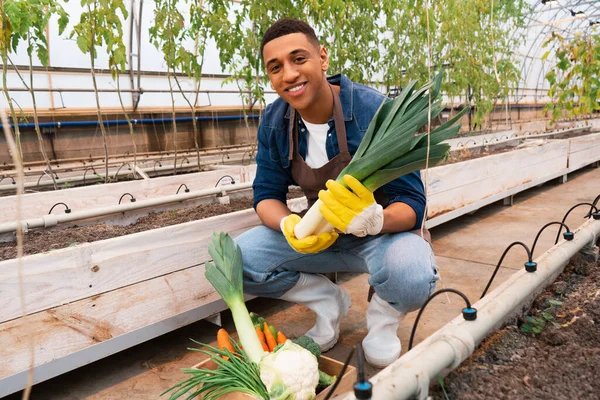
x: 94, y: 178
x: 447, y: 348
x: 50, y: 220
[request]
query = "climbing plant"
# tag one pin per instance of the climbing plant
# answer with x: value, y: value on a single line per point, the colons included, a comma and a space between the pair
x: 385, y: 41
x: 469, y: 39
x: 28, y: 21
x: 575, y: 79
x: 186, y: 62
x: 98, y: 26
x: 6, y: 32
x: 166, y: 34
x: 117, y: 59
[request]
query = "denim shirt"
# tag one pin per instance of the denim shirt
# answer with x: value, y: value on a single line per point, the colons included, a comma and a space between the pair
x: 359, y: 105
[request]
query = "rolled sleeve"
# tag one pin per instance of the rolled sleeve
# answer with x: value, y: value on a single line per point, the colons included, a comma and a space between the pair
x: 408, y: 189
x: 272, y: 179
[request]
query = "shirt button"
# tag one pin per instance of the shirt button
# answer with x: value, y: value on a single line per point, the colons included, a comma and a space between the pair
x: 302, y: 130
x: 329, y: 135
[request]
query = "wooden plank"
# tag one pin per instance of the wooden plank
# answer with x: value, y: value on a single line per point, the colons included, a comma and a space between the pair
x: 584, y: 150
x: 451, y: 187
x: 70, y: 274
x: 78, y: 333
x: 35, y: 205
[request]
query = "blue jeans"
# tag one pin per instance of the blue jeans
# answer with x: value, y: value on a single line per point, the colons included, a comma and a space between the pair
x: 402, y: 267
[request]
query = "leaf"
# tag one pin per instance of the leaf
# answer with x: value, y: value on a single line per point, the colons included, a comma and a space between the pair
x: 555, y: 302
x: 537, y: 329
x: 556, y: 324
x: 545, y: 56
x: 526, y: 328
x: 83, y: 44
x: 547, y: 316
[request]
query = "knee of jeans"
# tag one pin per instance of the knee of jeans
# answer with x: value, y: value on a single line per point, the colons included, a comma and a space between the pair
x: 406, y: 282
x: 251, y: 243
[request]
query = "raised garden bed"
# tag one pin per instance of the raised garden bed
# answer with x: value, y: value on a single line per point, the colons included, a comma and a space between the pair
x: 551, y: 351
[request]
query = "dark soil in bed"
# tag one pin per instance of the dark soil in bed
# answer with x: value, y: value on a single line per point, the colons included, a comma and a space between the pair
x: 560, y: 362
x: 42, y: 241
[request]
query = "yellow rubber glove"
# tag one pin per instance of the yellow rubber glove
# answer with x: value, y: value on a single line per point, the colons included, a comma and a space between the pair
x: 310, y: 244
x: 353, y: 212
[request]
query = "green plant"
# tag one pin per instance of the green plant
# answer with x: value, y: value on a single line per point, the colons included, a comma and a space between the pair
x: 441, y: 382
x: 537, y: 324
x: 167, y: 31
x: 575, y: 79
x: 117, y: 56
x: 98, y: 26
x: 27, y: 22
x: 467, y: 37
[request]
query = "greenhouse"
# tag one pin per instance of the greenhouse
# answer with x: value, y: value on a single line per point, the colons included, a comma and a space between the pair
x: 299, y: 199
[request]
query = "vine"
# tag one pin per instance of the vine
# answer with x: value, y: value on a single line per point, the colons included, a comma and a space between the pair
x: 575, y: 79
x: 97, y: 26
x: 28, y: 21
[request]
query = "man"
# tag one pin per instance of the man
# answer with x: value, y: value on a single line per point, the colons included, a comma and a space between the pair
x: 306, y: 137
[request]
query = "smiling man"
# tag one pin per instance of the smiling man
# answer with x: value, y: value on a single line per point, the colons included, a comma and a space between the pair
x: 305, y: 138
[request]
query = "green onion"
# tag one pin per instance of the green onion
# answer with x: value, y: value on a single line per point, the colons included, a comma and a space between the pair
x: 392, y: 146
x: 226, y: 277
x: 237, y: 374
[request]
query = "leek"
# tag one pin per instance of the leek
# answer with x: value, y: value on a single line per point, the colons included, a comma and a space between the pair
x: 392, y: 146
x: 226, y: 277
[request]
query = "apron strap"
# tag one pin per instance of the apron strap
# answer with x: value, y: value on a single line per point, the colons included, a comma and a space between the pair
x: 338, y: 119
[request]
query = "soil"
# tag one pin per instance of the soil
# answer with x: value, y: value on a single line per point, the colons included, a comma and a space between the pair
x: 41, y: 241
x: 466, y: 154
x: 560, y: 362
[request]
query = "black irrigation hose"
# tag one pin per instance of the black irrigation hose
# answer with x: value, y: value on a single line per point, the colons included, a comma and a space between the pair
x: 468, y: 309
x: 502, y: 259
x: 85, y: 172
x: 184, y: 159
x: 67, y: 209
x: 589, y: 214
x: 363, y: 389
x: 182, y: 185
x: 4, y: 177
x: 225, y: 176
x: 340, y: 374
x: 568, y: 234
x: 125, y: 194
x: 594, y: 204
x: 154, y: 166
x: 119, y: 169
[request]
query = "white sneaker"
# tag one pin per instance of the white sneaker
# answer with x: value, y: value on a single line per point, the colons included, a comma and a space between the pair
x: 381, y: 345
x: 329, y: 301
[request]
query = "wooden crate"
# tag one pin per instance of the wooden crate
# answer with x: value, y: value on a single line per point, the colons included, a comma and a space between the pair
x: 326, y: 364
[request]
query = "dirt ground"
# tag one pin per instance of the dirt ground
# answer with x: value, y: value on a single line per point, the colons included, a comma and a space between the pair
x: 562, y: 361
x: 41, y: 241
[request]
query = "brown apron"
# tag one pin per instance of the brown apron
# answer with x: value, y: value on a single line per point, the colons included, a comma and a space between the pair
x: 312, y: 180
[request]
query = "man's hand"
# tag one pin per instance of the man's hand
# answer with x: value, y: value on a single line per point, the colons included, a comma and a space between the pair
x: 309, y: 245
x: 352, y: 212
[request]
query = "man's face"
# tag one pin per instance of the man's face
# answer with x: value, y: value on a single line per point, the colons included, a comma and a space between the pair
x: 296, y: 69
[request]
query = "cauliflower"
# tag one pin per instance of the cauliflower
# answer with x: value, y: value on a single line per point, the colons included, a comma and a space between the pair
x: 291, y: 373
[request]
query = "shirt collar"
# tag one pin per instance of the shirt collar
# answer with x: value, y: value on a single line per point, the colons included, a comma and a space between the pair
x: 346, y: 89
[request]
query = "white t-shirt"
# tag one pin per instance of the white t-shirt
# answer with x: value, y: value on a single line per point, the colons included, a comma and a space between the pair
x: 316, y: 154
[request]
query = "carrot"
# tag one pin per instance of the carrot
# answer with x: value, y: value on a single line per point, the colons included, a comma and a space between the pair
x: 281, y: 338
x: 261, y: 337
x: 271, y: 342
x: 223, y: 341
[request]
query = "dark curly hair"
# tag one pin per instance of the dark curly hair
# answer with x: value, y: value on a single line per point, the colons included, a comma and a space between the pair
x: 287, y: 26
